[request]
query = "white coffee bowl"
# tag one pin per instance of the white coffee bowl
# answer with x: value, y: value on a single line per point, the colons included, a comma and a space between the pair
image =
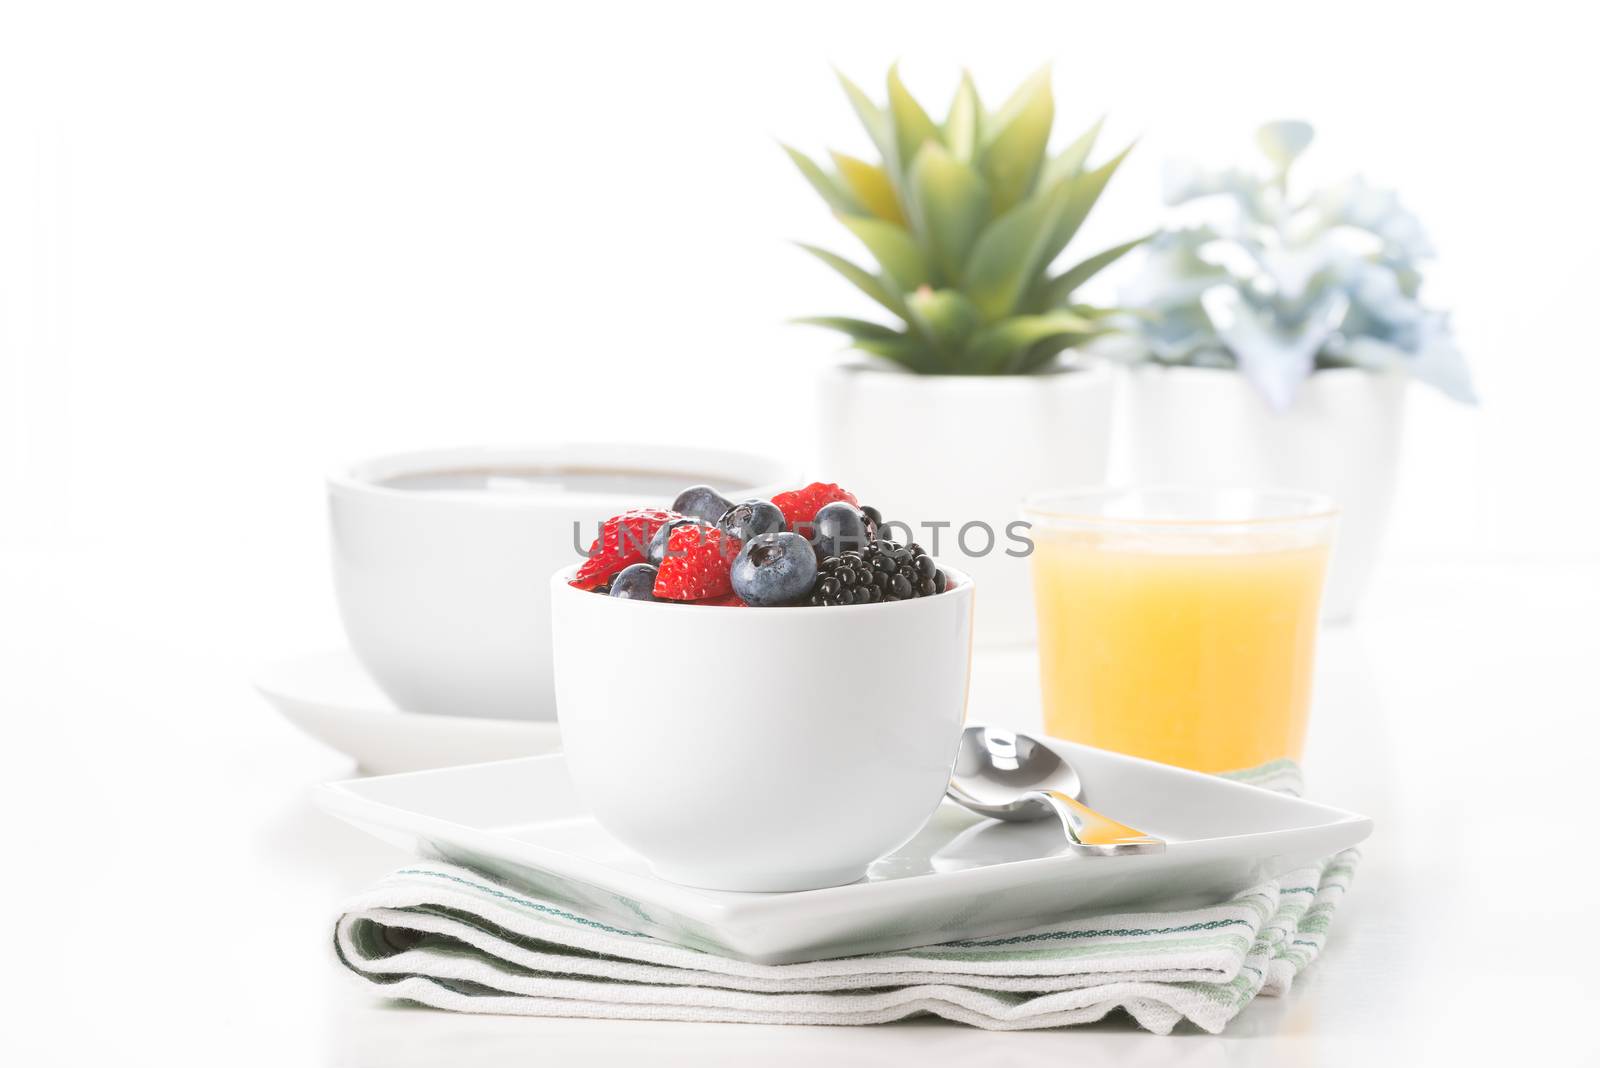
x: 445, y: 592
x: 761, y: 749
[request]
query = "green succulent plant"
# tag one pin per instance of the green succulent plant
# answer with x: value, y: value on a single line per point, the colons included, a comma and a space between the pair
x: 966, y: 220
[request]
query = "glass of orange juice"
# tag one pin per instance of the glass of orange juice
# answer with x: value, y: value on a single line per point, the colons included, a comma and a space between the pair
x: 1179, y: 624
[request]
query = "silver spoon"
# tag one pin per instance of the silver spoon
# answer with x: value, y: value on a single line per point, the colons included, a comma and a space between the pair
x: 1013, y: 777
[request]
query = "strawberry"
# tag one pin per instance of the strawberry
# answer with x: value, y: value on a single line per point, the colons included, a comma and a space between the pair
x: 622, y: 541
x: 696, y: 565
x: 800, y: 507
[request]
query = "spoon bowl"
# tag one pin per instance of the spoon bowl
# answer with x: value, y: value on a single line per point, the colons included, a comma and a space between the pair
x: 1011, y: 776
x: 999, y: 773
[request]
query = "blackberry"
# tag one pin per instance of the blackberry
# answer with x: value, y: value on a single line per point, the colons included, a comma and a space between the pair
x: 874, y: 521
x: 883, y: 571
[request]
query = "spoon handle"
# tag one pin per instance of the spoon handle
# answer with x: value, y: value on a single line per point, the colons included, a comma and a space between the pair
x: 1094, y: 835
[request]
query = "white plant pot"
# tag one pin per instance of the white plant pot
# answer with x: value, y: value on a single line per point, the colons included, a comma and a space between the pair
x: 964, y: 451
x: 1199, y: 426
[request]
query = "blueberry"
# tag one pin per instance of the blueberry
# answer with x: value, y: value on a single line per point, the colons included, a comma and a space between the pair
x: 749, y: 518
x: 774, y: 568
x: 702, y: 502
x: 839, y: 527
x: 657, y: 550
x: 636, y: 582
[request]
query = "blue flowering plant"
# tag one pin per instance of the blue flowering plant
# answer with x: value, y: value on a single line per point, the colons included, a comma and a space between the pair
x: 1279, y: 284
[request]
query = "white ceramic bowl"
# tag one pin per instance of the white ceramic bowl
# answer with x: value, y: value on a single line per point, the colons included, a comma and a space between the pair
x: 761, y: 748
x: 445, y: 591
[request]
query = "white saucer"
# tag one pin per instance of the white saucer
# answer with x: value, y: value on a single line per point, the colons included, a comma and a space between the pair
x: 331, y: 698
x: 960, y: 877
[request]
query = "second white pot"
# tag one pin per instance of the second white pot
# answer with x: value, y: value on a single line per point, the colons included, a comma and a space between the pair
x: 952, y: 456
x: 1342, y: 436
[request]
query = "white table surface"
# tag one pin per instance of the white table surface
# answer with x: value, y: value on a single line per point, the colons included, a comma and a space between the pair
x: 172, y: 891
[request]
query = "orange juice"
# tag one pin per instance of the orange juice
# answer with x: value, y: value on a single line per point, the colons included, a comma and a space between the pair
x: 1192, y: 645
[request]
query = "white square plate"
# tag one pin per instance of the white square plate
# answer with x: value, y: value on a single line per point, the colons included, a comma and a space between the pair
x: 961, y: 876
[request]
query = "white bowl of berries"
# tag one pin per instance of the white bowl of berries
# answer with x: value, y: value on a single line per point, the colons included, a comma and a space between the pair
x: 762, y: 695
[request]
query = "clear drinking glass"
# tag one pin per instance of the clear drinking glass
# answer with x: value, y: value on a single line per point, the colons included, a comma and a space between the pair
x: 1180, y: 624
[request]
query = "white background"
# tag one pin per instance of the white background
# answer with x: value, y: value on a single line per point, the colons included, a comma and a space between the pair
x: 239, y: 243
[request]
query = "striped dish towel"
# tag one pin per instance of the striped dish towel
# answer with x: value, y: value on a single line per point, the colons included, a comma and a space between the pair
x: 456, y: 939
